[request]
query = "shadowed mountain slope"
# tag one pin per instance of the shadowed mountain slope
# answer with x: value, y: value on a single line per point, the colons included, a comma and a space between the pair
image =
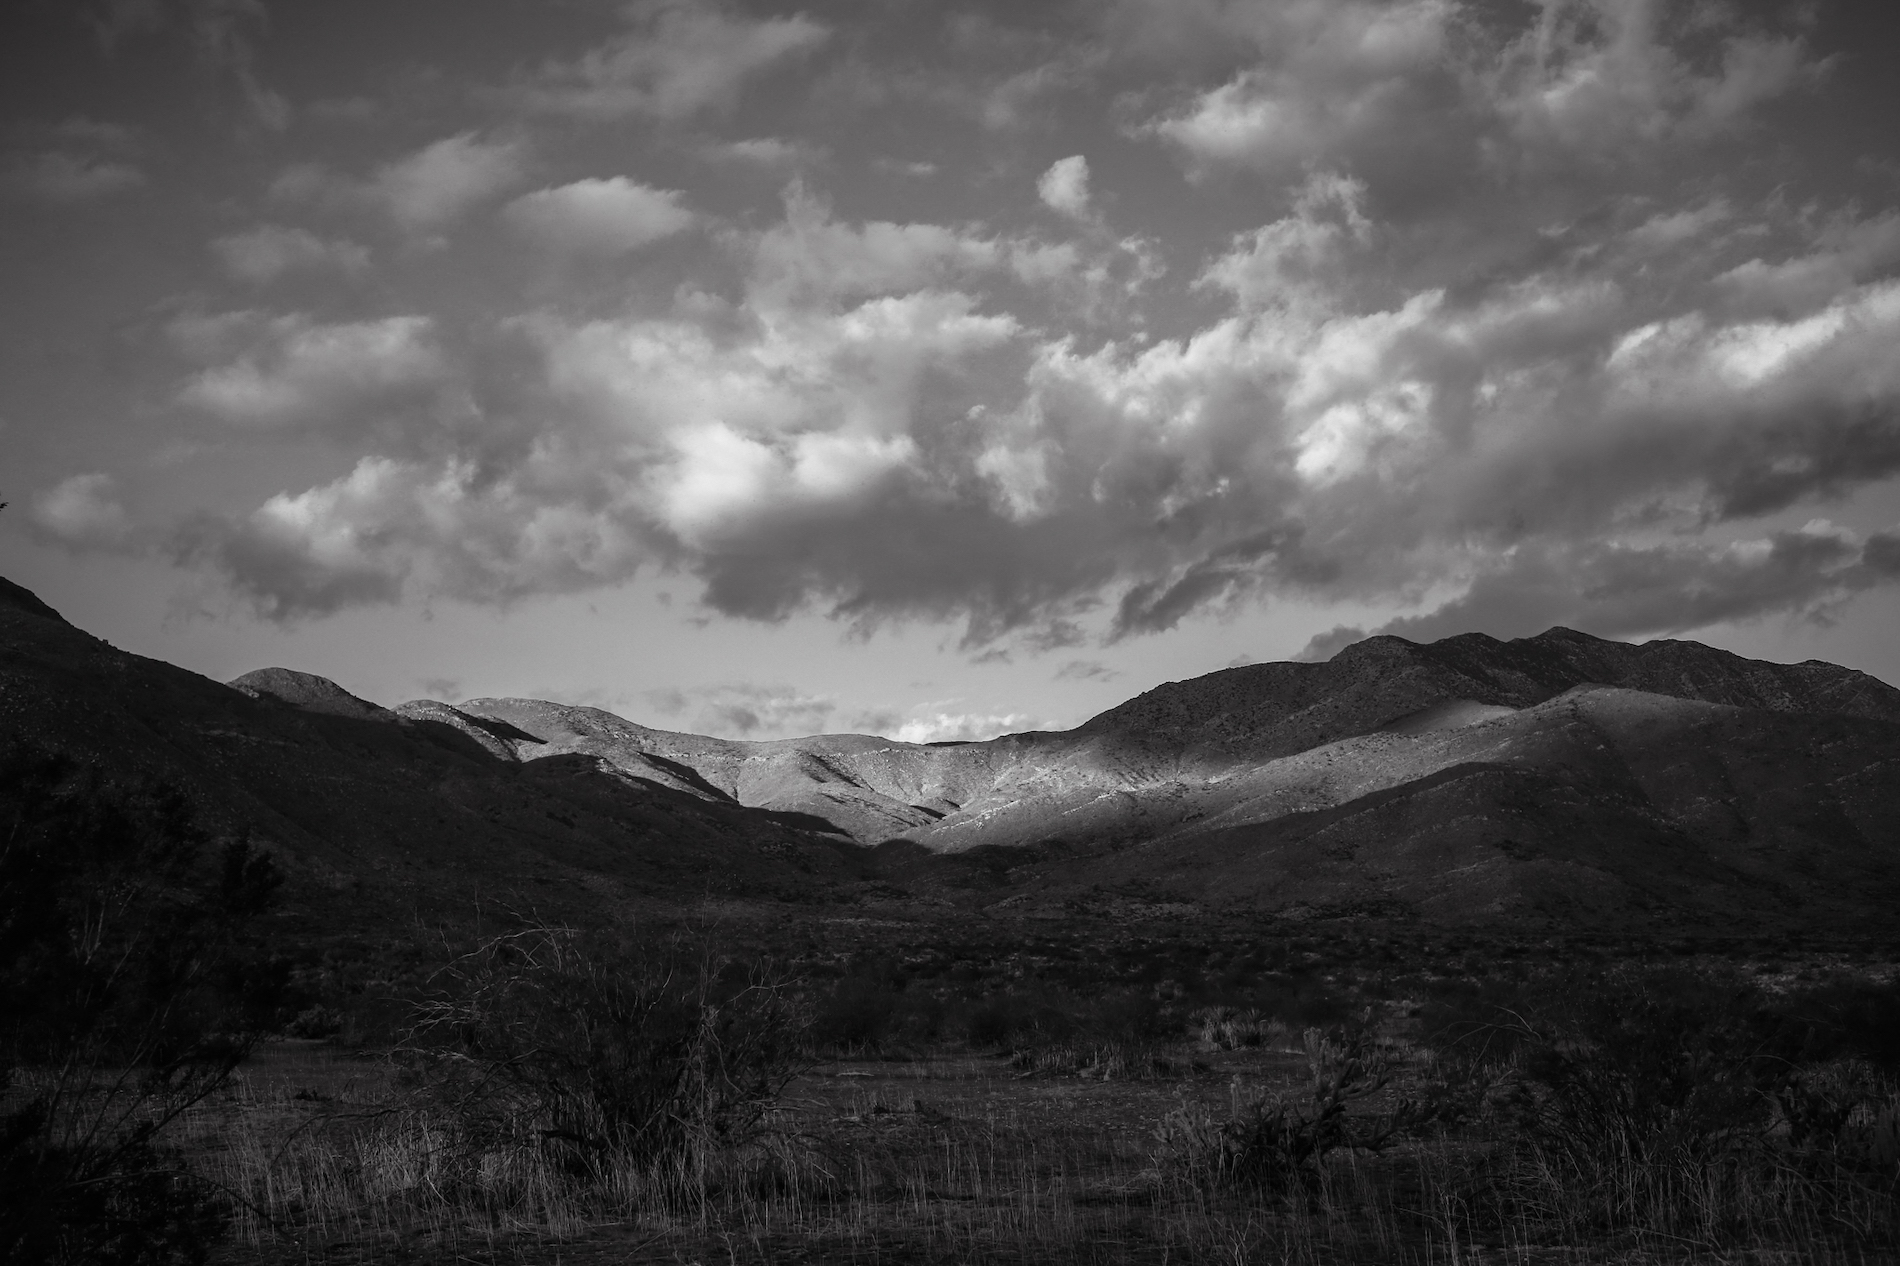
x: 414, y: 811
x: 1559, y: 777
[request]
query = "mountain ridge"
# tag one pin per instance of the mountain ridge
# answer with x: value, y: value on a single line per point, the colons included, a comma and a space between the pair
x: 1559, y: 777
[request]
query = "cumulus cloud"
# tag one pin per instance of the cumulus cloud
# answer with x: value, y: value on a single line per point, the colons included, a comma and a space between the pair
x: 83, y: 513
x: 267, y: 252
x: 1325, y: 79
x: 287, y: 371
x: 601, y: 218
x: 1296, y: 259
x: 1065, y: 186
x: 676, y: 59
x: 451, y: 528
x: 865, y: 416
x: 1404, y: 94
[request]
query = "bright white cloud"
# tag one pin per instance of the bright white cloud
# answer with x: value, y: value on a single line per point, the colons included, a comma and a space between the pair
x: 960, y: 727
x: 1065, y: 186
x: 599, y: 217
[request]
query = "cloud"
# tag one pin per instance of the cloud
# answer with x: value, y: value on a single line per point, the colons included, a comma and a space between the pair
x: 424, y: 192
x: 1065, y: 186
x: 601, y: 218
x: 83, y: 513
x: 1423, y: 93
x: 263, y: 254
x: 750, y: 711
x: 1085, y: 670
x: 864, y: 422
x: 289, y: 371
x: 63, y: 178
x: 1295, y: 260
x: 1323, y: 646
x: 1326, y: 80
x: 438, y: 183
x: 1592, y: 75
x: 676, y: 59
x: 812, y: 257
x: 1623, y: 590
x: 447, y: 689
x: 960, y: 727
x: 452, y: 528
x: 772, y: 153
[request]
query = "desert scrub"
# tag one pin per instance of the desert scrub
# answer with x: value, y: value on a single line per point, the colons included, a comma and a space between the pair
x: 548, y: 1081
x: 1685, y: 1107
x: 1279, y: 1143
x: 602, y: 1056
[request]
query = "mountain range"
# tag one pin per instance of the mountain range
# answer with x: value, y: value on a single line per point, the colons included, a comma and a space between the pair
x: 1558, y: 779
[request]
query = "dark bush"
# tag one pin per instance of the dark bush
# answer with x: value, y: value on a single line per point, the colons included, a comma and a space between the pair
x: 995, y: 1021
x: 604, y: 1055
x: 1681, y: 1103
x: 129, y: 990
x: 1277, y: 1143
x: 857, y: 1016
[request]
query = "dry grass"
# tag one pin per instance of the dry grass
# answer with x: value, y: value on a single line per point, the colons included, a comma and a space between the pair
x: 956, y: 1159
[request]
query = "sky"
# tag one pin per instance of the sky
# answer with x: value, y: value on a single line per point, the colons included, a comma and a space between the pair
x: 943, y: 369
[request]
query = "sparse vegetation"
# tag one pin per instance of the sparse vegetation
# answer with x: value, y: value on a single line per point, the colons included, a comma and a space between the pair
x: 556, y: 1095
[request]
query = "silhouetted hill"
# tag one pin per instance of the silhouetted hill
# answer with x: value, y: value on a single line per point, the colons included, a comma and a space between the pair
x: 1554, y: 778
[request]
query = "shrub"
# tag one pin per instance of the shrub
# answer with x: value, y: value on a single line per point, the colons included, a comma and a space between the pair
x: 1276, y: 1143
x: 128, y: 993
x: 604, y: 1057
x: 858, y: 1015
x: 1685, y: 1105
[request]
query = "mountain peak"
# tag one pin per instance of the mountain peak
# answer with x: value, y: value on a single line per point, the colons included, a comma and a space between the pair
x: 1558, y: 633
x: 309, y: 692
